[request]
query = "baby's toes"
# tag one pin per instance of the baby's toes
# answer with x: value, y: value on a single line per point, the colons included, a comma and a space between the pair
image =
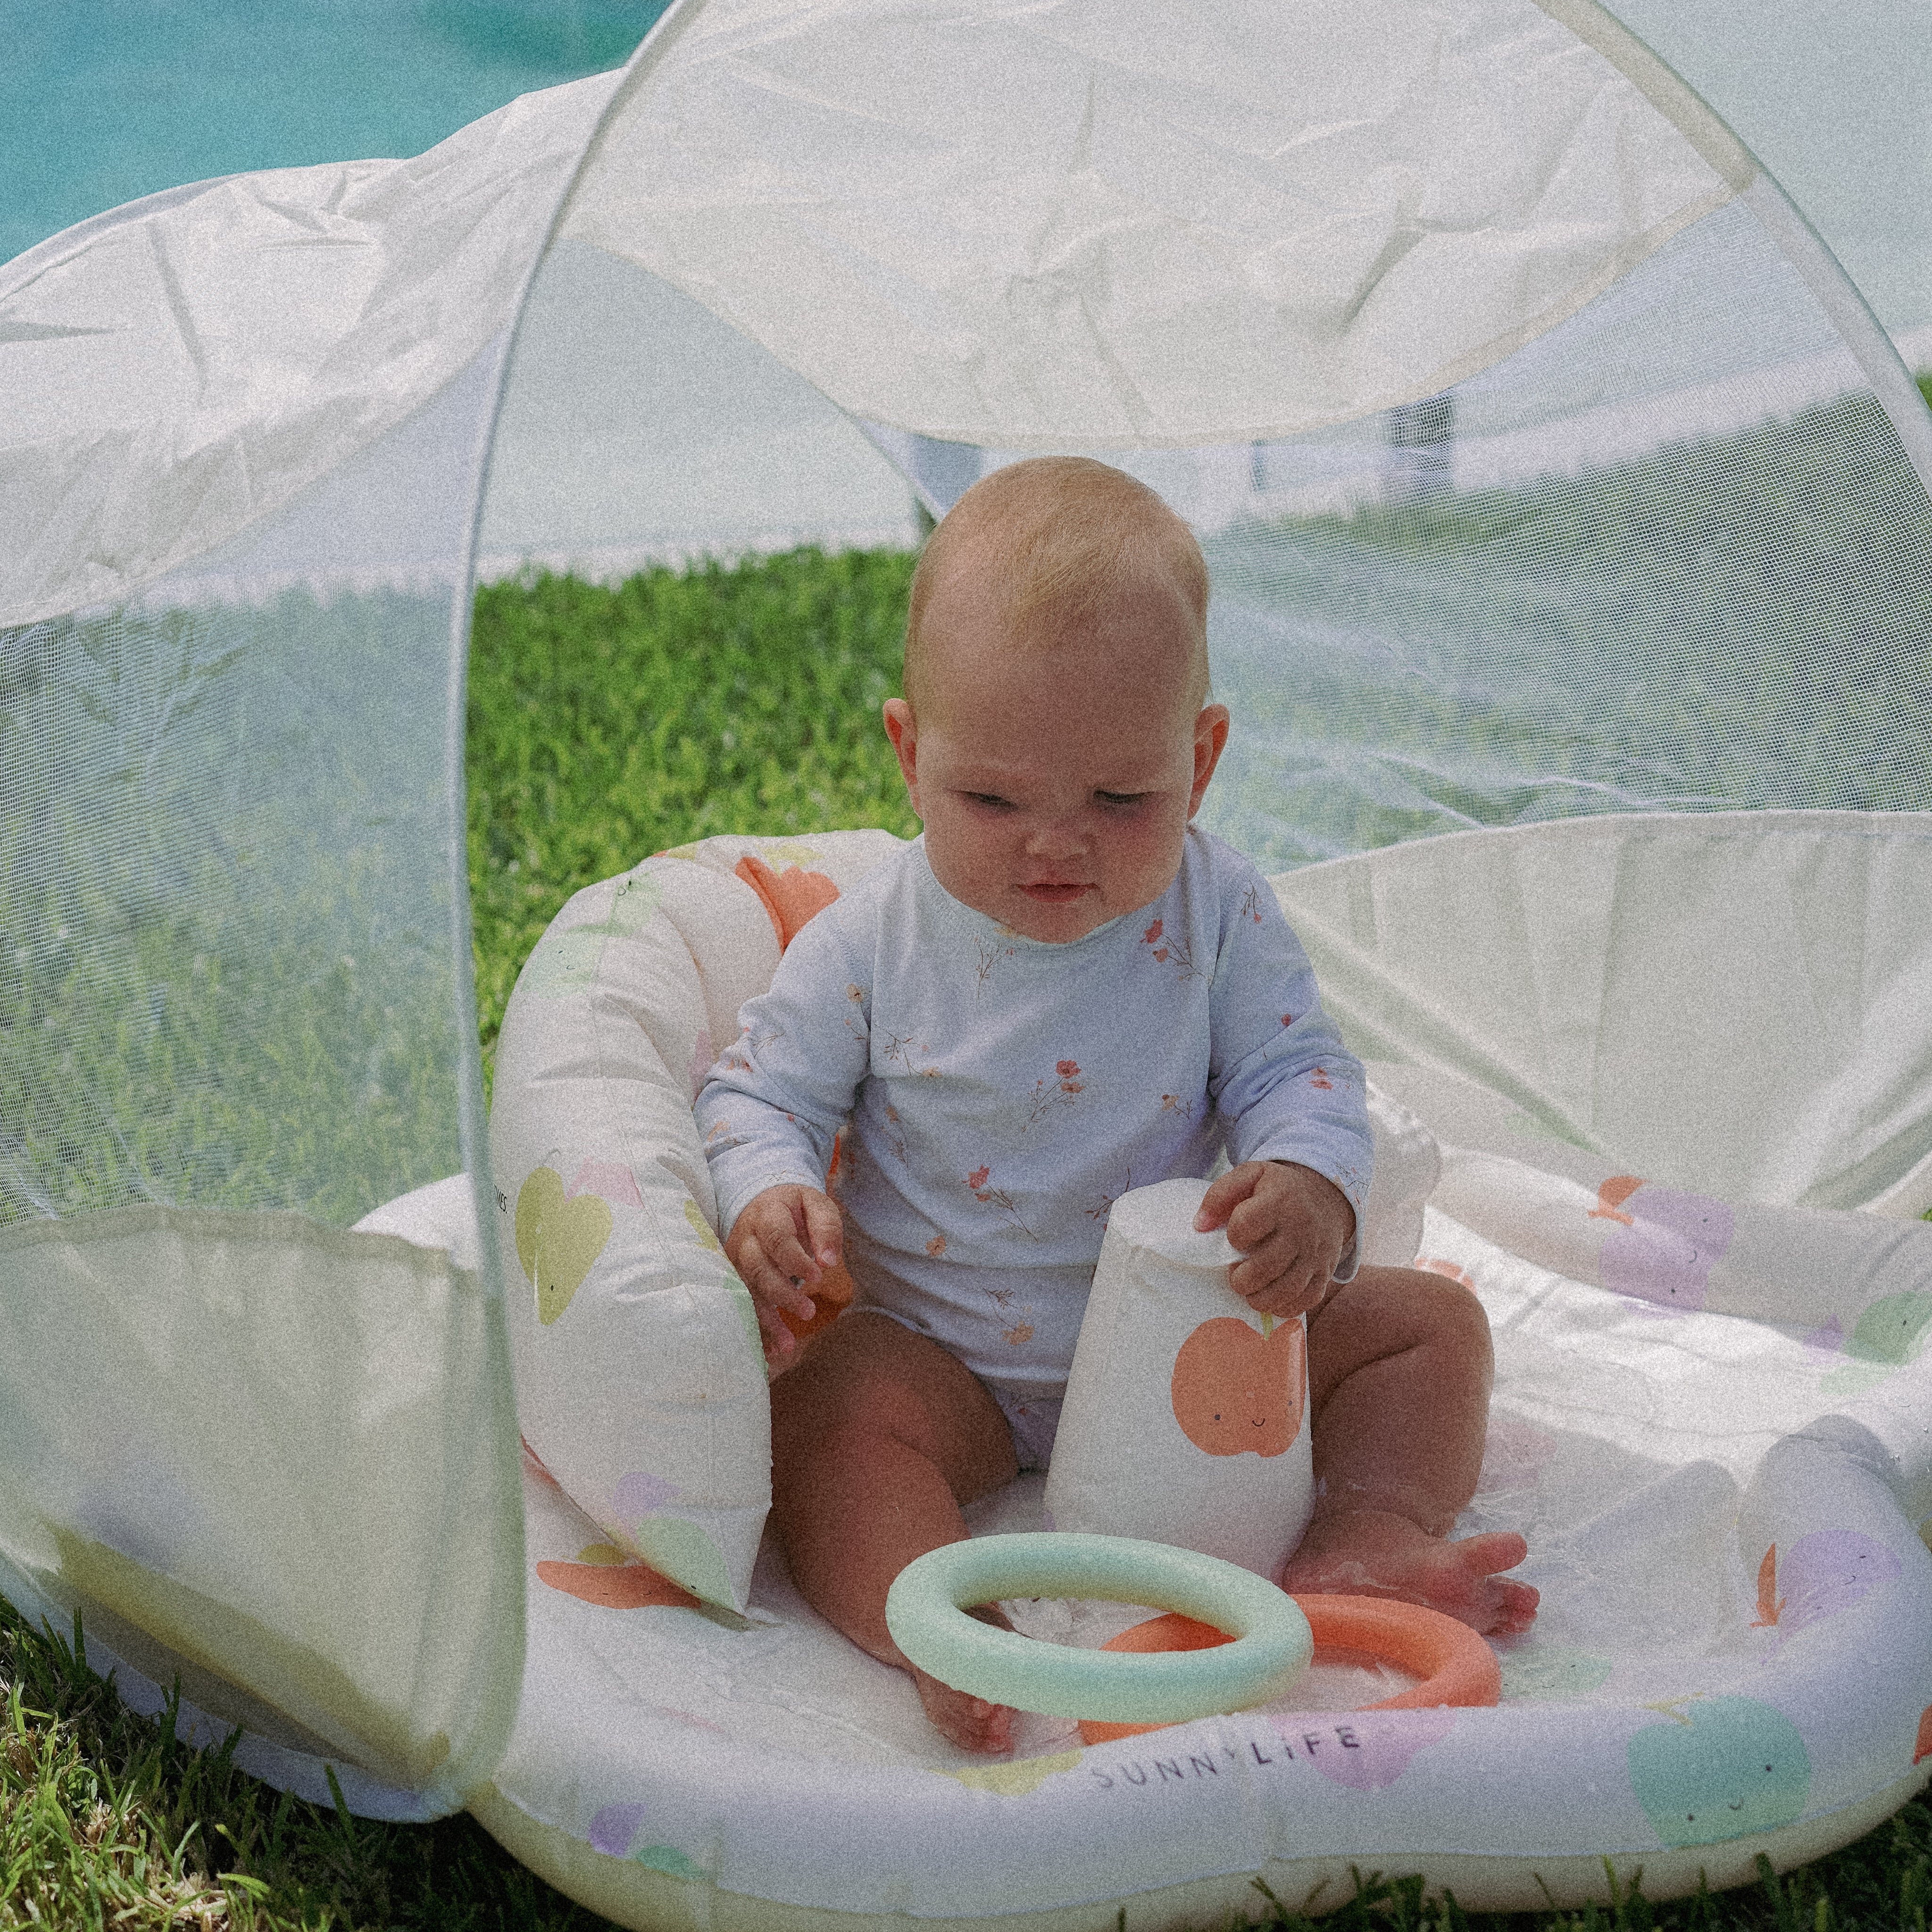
x: 1515, y: 1608
x: 1492, y: 1550
x: 984, y: 1726
x: 971, y: 1722
x: 1491, y: 1605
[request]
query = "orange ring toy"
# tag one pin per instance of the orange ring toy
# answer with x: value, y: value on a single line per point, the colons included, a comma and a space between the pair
x: 1454, y: 1664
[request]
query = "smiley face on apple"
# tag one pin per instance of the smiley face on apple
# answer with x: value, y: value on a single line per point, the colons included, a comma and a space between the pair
x: 1238, y: 1388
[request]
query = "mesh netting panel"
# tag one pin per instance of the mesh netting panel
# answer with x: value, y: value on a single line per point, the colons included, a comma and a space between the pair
x: 226, y: 971
x: 1671, y: 557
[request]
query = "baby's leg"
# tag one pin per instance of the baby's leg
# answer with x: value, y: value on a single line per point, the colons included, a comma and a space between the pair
x: 1398, y: 1372
x: 878, y: 1435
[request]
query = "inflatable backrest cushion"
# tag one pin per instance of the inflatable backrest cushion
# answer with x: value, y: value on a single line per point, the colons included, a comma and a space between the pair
x: 640, y: 1381
x: 1409, y: 1163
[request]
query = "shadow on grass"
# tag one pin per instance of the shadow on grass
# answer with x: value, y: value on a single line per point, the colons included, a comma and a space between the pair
x: 108, y: 1819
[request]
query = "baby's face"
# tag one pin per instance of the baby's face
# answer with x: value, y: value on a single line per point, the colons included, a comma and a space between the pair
x: 1056, y: 785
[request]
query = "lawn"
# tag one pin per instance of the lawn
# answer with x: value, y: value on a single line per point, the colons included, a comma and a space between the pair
x: 604, y: 724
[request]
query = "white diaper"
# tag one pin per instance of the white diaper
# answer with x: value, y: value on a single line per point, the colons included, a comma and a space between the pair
x: 1033, y: 1416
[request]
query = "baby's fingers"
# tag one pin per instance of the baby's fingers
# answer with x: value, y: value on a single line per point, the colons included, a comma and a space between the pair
x: 769, y: 1281
x: 781, y: 1237
x: 1225, y: 1196
x: 1300, y: 1291
x: 824, y: 1229
x: 1283, y: 1275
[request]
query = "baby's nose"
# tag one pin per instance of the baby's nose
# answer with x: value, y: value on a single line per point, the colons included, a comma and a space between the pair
x: 1048, y: 836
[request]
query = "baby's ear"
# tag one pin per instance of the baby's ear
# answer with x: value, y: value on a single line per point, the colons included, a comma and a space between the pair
x: 902, y: 728
x: 1210, y: 740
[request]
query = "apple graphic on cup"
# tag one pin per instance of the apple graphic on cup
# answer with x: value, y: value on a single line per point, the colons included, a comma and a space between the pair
x: 1236, y: 1388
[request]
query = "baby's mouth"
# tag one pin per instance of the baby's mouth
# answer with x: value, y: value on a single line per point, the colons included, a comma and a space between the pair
x: 1055, y: 891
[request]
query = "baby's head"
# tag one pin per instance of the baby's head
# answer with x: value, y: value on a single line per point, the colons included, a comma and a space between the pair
x: 1053, y: 733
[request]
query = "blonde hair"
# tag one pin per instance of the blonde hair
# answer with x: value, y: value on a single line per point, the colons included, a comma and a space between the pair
x: 1068, y: 532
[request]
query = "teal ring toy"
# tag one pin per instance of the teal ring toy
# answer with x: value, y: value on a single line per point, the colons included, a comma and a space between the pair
x: 926, y: 1613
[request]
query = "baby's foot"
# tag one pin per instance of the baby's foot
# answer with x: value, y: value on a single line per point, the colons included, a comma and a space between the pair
x: 1370, y: 1553
x: 971, y: 1722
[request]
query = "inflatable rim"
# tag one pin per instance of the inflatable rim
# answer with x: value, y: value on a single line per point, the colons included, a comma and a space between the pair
x: 630, y: 1894
x: 638, y: 1895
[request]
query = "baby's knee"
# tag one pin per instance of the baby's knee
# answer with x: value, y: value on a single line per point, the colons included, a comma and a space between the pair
x: 813, y: 1412
x: 1424, y: 1308
x: 1455, y: 1319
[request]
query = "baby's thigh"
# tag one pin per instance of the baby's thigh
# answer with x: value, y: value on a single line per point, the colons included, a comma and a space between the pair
x: 867, y: 1377
x: 1388, y: 1311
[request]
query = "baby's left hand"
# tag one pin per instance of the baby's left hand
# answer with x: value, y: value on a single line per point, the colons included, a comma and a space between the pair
x: 1292, y: 1226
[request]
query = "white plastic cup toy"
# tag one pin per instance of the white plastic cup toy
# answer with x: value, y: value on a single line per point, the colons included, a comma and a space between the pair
x: 1186, y: 1416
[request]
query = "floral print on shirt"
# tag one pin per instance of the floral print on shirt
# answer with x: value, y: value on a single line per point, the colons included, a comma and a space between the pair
x: 1060, y: 1088
x: 987, y: 954
x: 980, y: 1181
x: 1168, y: 946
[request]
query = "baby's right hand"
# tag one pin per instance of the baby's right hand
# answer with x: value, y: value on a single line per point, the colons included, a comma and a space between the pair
x: 780, y: 1245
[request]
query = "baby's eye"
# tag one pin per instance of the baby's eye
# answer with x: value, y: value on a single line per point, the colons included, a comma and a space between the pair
x: 1120, y: 798
x: 990, y: 799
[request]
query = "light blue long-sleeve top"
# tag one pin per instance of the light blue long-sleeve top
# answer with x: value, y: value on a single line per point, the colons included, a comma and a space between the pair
x: 1002, y: 1092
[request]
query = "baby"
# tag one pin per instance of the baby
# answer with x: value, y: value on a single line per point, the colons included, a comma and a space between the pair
x: 1062, y: 990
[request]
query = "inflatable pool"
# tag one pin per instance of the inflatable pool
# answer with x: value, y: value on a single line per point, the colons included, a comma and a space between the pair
x: 1710, y: 1421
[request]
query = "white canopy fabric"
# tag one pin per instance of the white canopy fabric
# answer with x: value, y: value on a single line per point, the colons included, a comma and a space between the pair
x: 1015, y: 229
x: 178, y: 370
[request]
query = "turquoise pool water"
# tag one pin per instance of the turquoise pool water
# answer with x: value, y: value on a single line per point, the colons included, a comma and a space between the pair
x: 103, y: 101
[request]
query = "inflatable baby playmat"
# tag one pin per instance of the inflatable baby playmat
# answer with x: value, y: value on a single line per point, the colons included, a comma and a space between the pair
x: 1710, y: 1422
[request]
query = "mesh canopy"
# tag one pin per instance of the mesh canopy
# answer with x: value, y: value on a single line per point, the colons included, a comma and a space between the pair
x: 1673, y: 555
x: 1834, y: 100
x: 1649, y: 562
x: 236, y: 1008
x: 1545, y: 465
x: 235, y: 936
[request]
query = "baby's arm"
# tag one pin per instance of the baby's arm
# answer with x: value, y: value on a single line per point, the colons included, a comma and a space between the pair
x: 1293, y: 1101
x: 767, y: 1115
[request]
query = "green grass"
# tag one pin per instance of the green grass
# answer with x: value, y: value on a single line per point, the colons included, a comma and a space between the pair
x: 107, y: 1820
x: 606, y: 724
